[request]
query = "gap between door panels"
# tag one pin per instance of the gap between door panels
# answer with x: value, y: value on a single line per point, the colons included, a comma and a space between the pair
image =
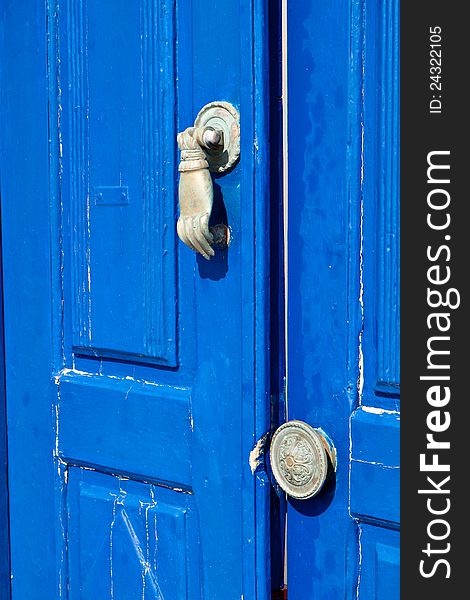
x: 4, y: 512
x: 277, y: 306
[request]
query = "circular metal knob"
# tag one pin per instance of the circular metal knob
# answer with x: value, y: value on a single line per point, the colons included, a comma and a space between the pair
x: 300, y: 456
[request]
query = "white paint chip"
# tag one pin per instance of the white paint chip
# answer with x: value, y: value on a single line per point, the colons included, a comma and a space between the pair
x: 256, y: 455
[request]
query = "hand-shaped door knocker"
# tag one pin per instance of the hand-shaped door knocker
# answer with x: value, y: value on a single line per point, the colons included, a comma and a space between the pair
x: 213, y: 144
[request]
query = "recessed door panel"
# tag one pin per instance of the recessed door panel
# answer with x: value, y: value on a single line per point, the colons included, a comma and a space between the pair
x: 118, y: 131
x: 130, y: 540
x: 380, y: 574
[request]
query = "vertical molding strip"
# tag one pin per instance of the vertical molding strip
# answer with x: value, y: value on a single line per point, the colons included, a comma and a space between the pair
x: 388, y: 173
x: 159, y: 136
x: 79, y: 175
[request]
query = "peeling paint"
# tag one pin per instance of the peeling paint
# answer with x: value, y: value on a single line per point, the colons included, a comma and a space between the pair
x: 378, y: 411
x: 360, y: 381
x: 147, y: 567
x: 349, y: 467
x: 330, y: 448
x: 73, y: 372
x: 359, y: 568
x: 118, y: 500
x: 257, y: 454
x: 375, y: 463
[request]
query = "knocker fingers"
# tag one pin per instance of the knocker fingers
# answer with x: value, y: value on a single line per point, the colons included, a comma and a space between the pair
x: 199, y: 240
x: 194, y: 232
x: 183, y: 232
x: 205, y: 228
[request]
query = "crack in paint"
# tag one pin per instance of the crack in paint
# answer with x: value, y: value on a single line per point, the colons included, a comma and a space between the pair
x: 375, y: 463
x: 359, y: 568
x: 143, y: 558
x: 66, y: 372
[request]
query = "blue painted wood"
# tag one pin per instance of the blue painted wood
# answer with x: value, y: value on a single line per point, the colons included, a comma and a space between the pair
x: 27, y: 298
x: 95, y: 410
x: 343, y: 291
x: 380, y: 562
x: 4, y: 524
x: 118, y: 131
x: 132, y: 364
x: 277, y: 306
x: 375, y: 466
x: 324, y: 110
x: 130, y: 540
x: 381, y: 224
x: 375, y: 478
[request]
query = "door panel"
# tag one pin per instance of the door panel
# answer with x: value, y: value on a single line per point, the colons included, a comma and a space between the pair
x: 380, y: 566
x: 324, y: 103
x: 381, y: 219
x: 96, y: 409
x: 375, y: 465
x: 130, y: 539
x: 137, y: 372
x: 343, y: 291
x: 119, y: 127
x: 375, y: 424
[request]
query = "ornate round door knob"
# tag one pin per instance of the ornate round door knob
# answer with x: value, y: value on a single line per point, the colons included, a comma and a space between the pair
x: 300, y: 456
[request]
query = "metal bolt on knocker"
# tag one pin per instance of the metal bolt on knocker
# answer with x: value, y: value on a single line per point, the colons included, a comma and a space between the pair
x: 212, y: 144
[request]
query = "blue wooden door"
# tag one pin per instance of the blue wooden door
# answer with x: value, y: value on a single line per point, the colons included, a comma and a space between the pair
x: 343, y: 291
x: 137, y: 380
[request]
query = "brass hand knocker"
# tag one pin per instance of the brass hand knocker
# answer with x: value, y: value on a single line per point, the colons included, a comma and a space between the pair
x: 213, y: 144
